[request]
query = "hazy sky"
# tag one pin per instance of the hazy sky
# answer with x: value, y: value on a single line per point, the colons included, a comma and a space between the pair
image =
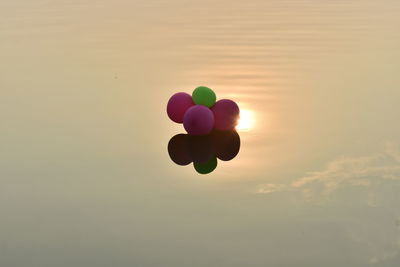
x: 85, y: 177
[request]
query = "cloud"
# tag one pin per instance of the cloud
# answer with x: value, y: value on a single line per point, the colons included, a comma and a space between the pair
x: 347, y: 171
x: 271, y: 188
x: 376, y: 229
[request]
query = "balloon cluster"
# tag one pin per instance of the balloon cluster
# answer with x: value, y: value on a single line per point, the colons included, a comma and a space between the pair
x: 200, y: 113
x: 204, y: 150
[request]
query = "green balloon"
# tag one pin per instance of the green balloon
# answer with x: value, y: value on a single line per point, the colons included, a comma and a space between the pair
x: 204, y: 96
x: 206, y: 167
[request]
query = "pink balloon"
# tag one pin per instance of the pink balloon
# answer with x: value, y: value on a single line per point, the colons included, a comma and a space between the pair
x: 226, y: 113
x: 198, y: 120
x: 177, y: 105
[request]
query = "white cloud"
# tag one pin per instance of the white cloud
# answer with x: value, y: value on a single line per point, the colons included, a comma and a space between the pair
x: 376, y: 229
x: 270, y: 188
x: 346, y: 171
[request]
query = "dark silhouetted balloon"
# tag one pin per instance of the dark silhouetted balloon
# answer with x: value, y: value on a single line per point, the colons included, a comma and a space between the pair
x: 226, y: 144
x: 206, y: 167
x: 200, y: 148
x: 204, y: 150
x: 178, y: 149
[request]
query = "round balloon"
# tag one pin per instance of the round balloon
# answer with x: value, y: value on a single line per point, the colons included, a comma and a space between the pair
x: 207, y: 167
x: 198, y: 120
x: 226, y: 114
x: 178, y: 149
x: 177, y: 105
x: 204, y: 96
x: 226, y: 144
x: 201, y: 148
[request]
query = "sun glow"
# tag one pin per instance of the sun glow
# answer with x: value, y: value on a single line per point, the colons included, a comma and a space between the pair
x: 246, y: 120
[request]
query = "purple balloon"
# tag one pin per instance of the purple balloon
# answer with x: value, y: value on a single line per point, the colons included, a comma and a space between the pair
x: 198, y: 120
x: 177, y: 105
x: 226, y: 113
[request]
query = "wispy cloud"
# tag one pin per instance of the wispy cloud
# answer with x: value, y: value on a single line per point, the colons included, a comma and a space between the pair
x: 382, y: 243
x: 346, y: 171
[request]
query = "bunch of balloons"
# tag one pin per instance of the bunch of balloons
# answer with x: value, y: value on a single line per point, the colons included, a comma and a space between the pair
x: 204, y: 150
x: 200, y: 113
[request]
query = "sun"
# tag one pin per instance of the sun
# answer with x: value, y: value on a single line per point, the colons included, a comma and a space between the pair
x: 246, y: 120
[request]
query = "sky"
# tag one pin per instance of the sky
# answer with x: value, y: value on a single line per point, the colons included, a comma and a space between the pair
x: 85, y: 176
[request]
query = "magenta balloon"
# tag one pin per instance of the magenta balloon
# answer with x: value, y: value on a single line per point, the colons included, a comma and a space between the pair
x: 198, y: 120
x: 177, y: 105
x: 226, y: 113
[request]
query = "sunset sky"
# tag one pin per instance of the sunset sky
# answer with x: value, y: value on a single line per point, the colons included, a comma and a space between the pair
x: 85, y: 176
